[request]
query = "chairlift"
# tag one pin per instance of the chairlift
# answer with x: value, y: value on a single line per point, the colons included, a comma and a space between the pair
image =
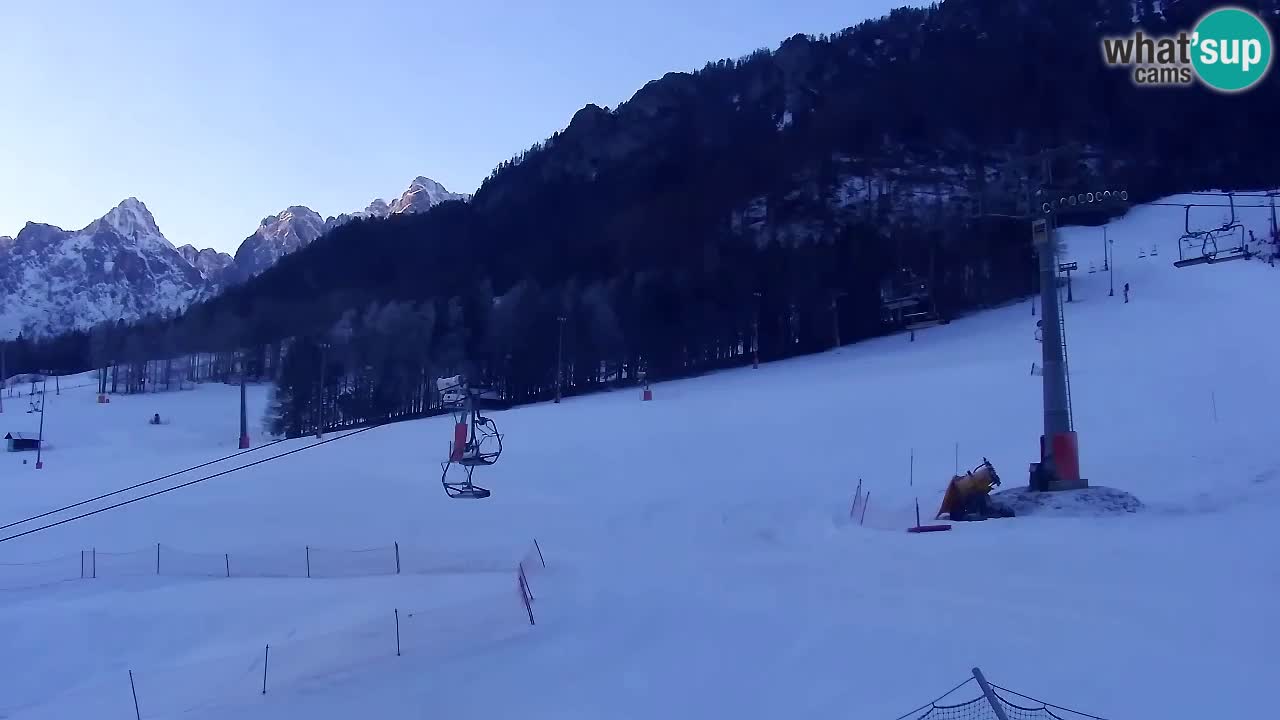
x: 907, y: 302
x: 1231, y: 231
x: 451, y: 392
x: 476, y: 440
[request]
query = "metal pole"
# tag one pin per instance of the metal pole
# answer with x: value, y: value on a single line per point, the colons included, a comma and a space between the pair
x: 1056, y: 418
x: 835, y: 314
x: 560, y: 358
x: 44, y: 402
x: 244, y: 421
x: 1275, y: 236
x: 324, y: 357
x: 4, y: 379
x: 1275, y: 230
x: 1111, y: 270
x: 990, y: 694
x: 132, y: 688
x: 1104, y: 248
x: 755, y: 335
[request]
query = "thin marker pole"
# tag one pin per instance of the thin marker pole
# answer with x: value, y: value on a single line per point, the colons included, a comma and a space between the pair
x: 136, y: 712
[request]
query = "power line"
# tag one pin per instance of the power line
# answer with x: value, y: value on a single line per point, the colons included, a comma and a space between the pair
x: 188, y: 483
x: 135, y: 487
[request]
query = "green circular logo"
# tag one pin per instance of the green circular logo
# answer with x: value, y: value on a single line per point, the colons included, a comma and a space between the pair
x: 1231, y: 49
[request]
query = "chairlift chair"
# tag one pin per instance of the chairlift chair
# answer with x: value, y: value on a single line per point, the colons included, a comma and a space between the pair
x: 1209, y: 251
x: 906, y: 301
x: 476, y: 440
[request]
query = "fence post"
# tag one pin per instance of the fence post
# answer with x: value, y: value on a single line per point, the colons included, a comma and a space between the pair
x: 539, y: 549
x: 397, y: 632
x: 525, y: 579
x: 81, y: 555
x: 990, y: 694
x: 308, y: 561
x: 397, y: 557
x: 95, y: 563
x: 136, y: 712
x: 157, y: 558
x: 524, y: 597
x: 266, y: 655
x: 227, y: 557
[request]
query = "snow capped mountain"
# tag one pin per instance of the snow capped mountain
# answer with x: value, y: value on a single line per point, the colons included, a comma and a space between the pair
x: 121, y: 265
x: 118, y: 266
x: 377, y: 209
x: 277, y: 235
x: 423, y: 194
x: 211, y: 263
x: 299, y: 226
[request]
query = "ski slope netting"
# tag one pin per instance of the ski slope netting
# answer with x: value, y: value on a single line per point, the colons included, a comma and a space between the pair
x: 1020, y: 707
x: 302, y: 562
x: 213, y: 680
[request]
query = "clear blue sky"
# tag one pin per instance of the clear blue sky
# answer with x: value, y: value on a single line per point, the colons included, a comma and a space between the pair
x: 217, y: 114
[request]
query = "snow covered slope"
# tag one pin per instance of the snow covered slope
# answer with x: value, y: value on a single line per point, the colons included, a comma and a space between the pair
x: 701, y: 562
x: 119, y: 266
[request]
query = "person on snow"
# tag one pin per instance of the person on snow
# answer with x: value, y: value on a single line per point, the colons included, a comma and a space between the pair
x: 155, y: 419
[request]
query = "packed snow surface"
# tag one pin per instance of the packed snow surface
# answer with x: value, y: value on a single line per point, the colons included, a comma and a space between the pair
x: 700, y: 557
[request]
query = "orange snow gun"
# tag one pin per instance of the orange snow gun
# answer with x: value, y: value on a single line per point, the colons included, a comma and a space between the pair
x: 962, y: 488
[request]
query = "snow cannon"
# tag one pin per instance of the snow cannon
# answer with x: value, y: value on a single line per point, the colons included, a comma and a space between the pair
x: 968, y: 495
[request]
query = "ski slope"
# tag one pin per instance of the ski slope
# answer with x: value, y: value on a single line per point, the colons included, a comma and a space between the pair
x: 700, y: 558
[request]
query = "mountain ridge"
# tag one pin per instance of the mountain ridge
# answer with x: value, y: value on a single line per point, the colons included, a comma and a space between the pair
x: 121, y: 265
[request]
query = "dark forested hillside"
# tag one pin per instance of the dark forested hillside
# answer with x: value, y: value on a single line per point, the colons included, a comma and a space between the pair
x: 807, y: 175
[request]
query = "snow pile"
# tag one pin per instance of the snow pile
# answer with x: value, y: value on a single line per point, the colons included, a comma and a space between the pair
x: 1087, y: 502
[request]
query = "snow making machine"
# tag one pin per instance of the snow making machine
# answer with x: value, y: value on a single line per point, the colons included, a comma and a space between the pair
x: 968, y: 495
x: 476, y: 440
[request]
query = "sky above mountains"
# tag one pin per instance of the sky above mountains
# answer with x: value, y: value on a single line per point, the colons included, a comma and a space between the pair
x: 217, y: 115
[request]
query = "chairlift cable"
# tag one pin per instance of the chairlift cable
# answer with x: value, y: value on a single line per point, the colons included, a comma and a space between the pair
x: 135, y: 487
x: 189, y: 483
